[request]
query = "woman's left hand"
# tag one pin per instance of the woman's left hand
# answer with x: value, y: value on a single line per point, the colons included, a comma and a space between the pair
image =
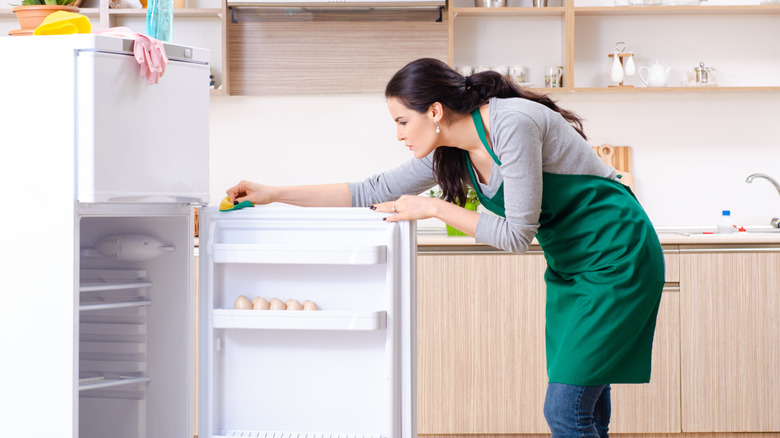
x: 408, y: 207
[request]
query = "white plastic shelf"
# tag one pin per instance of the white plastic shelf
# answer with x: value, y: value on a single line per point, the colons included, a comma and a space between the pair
x: 299, y: 320
x: 277, y: 434
x: 98, y: 383
x: 114, y: 305
x: 299, y: 254
x: 100, y: 286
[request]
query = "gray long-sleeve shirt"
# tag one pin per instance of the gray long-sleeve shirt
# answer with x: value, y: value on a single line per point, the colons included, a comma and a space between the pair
x: 528, y: 139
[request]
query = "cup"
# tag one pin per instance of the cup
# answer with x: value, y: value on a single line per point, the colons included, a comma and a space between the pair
x: 553, y: 76
x: 540, y: 3
x: 518, y: 74
x: 464, y: 70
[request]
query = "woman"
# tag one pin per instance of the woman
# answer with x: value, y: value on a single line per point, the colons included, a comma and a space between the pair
x: 530, y: 164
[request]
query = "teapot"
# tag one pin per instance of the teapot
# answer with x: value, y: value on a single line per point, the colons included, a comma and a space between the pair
x: 702, y: 76
x: 655, y: 76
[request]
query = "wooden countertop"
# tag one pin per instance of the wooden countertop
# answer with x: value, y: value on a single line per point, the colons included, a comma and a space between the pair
x: 431, y: 240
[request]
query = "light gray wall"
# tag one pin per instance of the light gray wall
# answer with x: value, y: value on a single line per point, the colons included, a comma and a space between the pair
x: 691, y: 151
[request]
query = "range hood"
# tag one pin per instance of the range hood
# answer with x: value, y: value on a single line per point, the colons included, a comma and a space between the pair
x: 427, y: 4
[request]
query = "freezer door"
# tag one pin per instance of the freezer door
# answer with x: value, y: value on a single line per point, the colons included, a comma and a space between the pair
x: 139, y: 142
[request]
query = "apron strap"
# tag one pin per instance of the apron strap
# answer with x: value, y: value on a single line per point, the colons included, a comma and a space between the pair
x: 481, y: 131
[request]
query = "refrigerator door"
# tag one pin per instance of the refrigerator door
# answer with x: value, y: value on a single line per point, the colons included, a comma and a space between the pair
x: 344, y: 370
x: 134, y: 142
x: 141, y: 142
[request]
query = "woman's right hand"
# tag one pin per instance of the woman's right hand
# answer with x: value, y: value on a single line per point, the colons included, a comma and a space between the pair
x: 256, y: 193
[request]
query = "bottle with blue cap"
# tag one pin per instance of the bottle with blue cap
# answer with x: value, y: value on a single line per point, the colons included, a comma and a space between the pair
x: 159, y: 19
x: 726, y: 226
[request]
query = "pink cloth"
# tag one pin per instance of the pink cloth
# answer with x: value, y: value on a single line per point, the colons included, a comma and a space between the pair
x: 149, y: 52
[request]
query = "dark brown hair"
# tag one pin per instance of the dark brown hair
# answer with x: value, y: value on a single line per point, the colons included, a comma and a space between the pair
x: 421, y: 83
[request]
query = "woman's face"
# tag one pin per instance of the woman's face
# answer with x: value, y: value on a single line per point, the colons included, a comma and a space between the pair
x: 416, y: 130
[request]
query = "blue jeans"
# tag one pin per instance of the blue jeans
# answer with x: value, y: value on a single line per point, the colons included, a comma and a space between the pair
x: 577, y: 411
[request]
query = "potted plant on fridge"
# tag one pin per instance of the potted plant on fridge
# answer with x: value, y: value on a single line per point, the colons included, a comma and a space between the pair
x: 31, y: 13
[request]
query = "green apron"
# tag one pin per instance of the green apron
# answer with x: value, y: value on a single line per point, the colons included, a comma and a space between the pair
x: 605, y: 274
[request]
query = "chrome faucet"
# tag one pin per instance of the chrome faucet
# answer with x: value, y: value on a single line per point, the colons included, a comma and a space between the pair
x: 775, y: 222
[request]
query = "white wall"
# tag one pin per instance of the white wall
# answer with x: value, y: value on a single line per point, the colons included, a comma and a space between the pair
x: 691, y: 151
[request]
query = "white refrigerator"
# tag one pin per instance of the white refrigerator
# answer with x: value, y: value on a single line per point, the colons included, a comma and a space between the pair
x: 100, y: 176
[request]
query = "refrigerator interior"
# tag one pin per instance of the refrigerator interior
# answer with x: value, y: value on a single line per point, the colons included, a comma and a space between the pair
x: 336, y: 371
x: 136, y: 355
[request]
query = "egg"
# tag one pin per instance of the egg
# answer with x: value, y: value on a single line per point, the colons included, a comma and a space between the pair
x: 310, y: 305
x: 277, y: 304
x: 293, y: 305
x: 259, y: 303
x: 242, y: 303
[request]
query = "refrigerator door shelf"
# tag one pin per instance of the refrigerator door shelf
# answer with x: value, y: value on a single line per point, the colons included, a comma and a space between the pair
x: 299, y: 254
x: 299, y: 320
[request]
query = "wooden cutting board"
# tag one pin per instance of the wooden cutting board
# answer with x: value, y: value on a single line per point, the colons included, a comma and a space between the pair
x: 620, y: 160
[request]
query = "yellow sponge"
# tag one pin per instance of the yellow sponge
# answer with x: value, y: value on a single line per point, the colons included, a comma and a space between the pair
x: 63, y: 23
x: 226, y: 205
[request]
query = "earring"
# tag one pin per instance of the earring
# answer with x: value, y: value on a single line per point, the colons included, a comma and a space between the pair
x: 438, y: 130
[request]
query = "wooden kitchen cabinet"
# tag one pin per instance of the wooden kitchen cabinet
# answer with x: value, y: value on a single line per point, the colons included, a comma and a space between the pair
x: 480, y: 334
x: 345, y: 52
x: 729, y: 304
x: 654, y: 407
x: 481, y: 350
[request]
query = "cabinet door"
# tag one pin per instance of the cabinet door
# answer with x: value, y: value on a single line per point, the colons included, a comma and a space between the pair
x: 654, y: 407
x: 729, y: 342
x: 481, y: 366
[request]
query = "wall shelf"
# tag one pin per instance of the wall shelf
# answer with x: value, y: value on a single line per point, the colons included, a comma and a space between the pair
x: 577, y: 38
x: 676, y: 10
x: 180, y: 12
x: 492, y: 12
